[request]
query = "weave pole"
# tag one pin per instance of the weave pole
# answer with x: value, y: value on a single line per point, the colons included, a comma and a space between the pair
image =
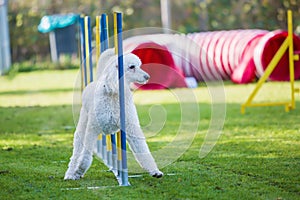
x: 98, y: 51
x: 103, y: 46
x: 86, y: 51
x: 109, y: 139
x: 82, y: 53
x: 88, y: 38
x: 119, y: 50
x: 119, y: 153
x: 106, y: 145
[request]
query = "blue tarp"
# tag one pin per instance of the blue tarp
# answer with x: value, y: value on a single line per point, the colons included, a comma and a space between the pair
x: 52, y: 22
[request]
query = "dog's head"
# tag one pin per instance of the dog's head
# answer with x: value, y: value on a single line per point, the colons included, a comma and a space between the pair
x: 107, y: 70
x: 133, y: 71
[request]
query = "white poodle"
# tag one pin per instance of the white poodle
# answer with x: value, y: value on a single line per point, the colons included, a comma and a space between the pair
x: 100, y: 113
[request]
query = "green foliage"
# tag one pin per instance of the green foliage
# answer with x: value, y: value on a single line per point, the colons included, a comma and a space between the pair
x: 187, y: 16
x: 203, y: 15
x: 28, y: 66
x: 26, y: 41
x: 256, y: 157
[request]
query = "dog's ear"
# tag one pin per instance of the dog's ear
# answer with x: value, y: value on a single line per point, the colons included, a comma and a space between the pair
x: 106, y: 58
x: 110, y: 76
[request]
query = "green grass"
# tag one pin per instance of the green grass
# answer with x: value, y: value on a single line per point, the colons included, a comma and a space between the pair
x: 256, y: 157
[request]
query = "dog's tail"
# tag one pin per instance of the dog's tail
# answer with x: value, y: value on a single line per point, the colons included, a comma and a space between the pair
x: 106, y: 59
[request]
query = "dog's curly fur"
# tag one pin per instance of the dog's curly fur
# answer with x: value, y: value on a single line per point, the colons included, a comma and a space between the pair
x: 100, y: 113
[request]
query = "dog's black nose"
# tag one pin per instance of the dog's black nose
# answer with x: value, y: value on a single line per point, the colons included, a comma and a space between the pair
x: 146, y: 77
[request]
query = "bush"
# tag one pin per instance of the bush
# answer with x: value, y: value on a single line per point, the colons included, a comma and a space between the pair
x: 31, y: 65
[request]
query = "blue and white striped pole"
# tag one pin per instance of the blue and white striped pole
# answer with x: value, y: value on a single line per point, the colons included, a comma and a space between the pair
x: 83, y: 53
x: 86, y: 50
x: 89, y: 47
x: 119, y: 46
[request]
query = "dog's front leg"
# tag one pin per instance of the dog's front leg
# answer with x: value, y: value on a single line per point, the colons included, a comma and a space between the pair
x: 77, y: 145
x: 86, y: 157
x: 141, y: 152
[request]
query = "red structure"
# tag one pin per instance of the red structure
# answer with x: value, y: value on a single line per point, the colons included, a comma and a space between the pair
x: 238, y: 55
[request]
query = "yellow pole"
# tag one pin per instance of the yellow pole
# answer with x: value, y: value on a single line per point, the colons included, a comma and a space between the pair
x: 287, y: 44
x: 98, y: 55
x: 119, y: 146
x: 109, y: 146
x: 107, y: 30
x: 291, y: 58
x: 97, y: 37
x: 115, y: 34
x: 87, y: 55
x: 276, y: 58
x: 116, y: 52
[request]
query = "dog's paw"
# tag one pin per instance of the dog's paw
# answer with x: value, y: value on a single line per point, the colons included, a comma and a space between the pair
x: 72, y: 177
x: 156, y: 174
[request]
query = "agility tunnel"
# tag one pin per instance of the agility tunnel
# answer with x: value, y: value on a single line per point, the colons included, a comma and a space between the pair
x: 237, y: 55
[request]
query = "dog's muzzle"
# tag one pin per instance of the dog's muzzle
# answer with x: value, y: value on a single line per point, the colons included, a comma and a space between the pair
x: 146, y: 77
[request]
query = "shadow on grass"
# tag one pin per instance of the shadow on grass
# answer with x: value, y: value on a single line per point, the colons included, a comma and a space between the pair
x: 22, y: 92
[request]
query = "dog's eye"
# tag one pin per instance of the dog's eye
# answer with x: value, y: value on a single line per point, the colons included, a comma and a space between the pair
x: 131, y: 67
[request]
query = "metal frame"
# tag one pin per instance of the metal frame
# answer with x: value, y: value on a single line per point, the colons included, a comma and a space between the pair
x: 286, y: 45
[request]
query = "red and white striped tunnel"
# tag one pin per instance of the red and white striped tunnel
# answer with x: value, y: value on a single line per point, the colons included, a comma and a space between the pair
x: 239, y: 55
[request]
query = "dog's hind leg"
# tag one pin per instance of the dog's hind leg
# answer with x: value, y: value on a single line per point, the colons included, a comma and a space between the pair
x: 86, y: 156
x: 141, y: 152
x: 77, y: 144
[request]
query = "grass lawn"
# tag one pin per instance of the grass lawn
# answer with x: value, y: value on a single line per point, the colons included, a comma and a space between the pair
x: 257, y: 155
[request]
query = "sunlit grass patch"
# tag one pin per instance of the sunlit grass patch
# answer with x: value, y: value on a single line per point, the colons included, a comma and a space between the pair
x: 256, y: 157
